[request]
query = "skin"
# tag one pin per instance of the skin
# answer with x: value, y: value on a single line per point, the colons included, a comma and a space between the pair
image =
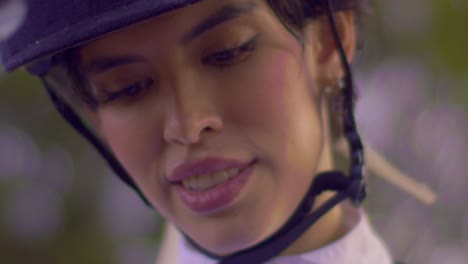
x: 264, y: 104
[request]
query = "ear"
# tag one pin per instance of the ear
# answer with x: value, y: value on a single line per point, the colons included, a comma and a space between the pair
x: 320, y: 35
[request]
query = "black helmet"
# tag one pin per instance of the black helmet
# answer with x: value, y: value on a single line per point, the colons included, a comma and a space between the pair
x: 54, y: 26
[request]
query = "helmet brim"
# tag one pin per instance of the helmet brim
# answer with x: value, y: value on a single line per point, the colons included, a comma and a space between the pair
x: 19, y: 50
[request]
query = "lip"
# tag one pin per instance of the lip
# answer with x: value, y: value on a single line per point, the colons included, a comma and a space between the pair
x: 220, y: 196
x: 203, y: 167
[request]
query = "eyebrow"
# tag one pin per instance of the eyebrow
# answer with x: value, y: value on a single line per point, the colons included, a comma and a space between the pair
x: 222, y: 15
x: 102, y: 64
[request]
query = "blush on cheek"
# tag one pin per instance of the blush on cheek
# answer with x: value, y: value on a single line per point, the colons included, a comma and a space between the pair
x: 120, y: 144
x: 280, y: 77
x: 277, y: 78
x: 123, y: 141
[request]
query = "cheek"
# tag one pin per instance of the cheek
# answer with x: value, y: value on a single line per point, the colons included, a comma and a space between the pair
x: 128, y: 136
x: 274, y: 101
x: 273, y: 110
x: 258, y: 95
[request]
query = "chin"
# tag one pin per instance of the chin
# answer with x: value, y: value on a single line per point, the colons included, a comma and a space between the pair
x: 225, y: 242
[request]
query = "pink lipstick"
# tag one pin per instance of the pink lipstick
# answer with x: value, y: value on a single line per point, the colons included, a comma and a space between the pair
x: 218, y: 196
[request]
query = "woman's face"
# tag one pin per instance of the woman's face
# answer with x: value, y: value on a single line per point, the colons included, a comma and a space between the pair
x: 212, y: 109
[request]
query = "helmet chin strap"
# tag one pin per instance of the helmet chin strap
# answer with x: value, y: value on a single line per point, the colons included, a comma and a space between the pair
x: 351, y: 186
x: 297, y: 224
x: 74, y: 120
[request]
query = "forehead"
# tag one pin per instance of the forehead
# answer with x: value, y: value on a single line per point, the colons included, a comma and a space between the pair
x: 184, y: 24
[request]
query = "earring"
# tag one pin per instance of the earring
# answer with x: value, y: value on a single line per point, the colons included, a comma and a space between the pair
x: 333, y: 90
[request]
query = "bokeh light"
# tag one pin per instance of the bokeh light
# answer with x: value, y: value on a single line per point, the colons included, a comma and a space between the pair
x: 33, y: 213
x: 60, y: 203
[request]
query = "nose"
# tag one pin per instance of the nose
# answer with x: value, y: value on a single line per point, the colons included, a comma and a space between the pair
x: 191, y: 116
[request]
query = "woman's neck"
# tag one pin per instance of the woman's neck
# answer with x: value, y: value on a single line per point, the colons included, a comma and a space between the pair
x: 331, y: 227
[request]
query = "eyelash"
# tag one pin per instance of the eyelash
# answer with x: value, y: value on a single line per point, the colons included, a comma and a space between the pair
x: 130, y: 92
x: 229, y: 57
x: 221, y: 59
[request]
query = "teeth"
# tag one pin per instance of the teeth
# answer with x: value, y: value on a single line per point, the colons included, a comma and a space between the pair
x: 207, y: 181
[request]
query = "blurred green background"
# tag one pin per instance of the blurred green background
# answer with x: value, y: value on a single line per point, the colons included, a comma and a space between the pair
x: 59, y: 203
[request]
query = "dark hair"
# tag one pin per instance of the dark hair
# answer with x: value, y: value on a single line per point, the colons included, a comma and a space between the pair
x: 296, y: 14
x: 293, y: 14
x: 299, y: 13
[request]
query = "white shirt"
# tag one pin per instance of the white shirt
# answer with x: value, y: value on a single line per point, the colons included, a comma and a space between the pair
x: 361, y: 245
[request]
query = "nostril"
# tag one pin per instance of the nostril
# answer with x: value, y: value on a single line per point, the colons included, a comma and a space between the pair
x: 187, y: 127
x: 208, y: 129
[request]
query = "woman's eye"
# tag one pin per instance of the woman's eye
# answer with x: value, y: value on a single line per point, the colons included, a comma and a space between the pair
x: 129, y: 93
x: 231, y: 56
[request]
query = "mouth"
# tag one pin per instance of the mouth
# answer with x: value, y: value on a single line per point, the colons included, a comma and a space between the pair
x: 207, y: 192
x: 200, y: 183
x: 202, y: 174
